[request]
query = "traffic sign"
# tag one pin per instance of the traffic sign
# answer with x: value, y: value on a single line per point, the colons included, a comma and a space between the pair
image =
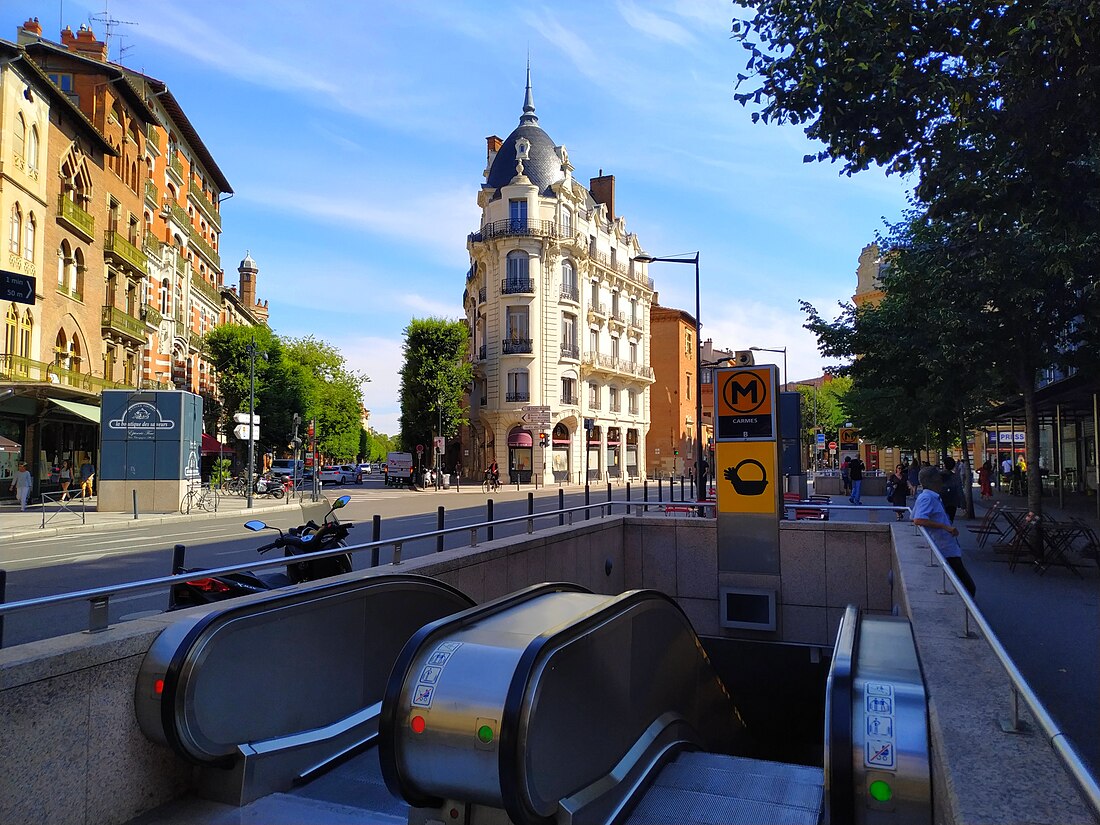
x: 16, y: 287
x: 242, y: 418
x: 832, y: 445
x: 241, y: 432
x: 745, y: 404
x: 420, y: 448
x: 536, y: 414
x: 821, y: 439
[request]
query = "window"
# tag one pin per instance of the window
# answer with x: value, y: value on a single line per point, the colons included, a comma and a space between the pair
x: 32, y: 151
x: 517, y: 214
x: 614, y: 347
x: 518, y: 389
x: 15, y: 231
x: 613, y: 395
x: 517, y: 323
x: 633, y: 352
x: 26, y: 327
x: 634, y: 311
x: 28, y: 237
x: 566, y: 223
x: 165, y: 298
x: 19, y: 146
x: 130, y: 373
x: 518, y: 268
x: 595, y: 294
x: 11, y: 330
x: 632, y: 402
x: 594, y: 396
x: 594, y: 341
x: 77, y: 284
x: 112, y: 286
x: 64, y: 260
x: 568, y: 281
x: 615, y: 303
x: 687, y: 385
x: 61, y: 350
x: 131, y: 298
x: 687, y: 342
x: 569, y: 335
x: 63, y: 81
x: 569, y: 390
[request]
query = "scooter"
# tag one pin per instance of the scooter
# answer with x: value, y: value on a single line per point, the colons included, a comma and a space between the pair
x: 307, y: 538
x: 272, y: 486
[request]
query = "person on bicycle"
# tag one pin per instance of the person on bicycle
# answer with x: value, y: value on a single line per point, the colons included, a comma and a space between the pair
x: 494, y: 473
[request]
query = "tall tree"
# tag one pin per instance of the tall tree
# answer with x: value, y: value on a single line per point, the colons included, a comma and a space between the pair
x: 330, y: 393
x: 435, y: 378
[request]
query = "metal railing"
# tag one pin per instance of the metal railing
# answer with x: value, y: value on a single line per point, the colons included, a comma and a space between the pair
x: 118, y: 320
x: 200, y: 245
x: 151, y: 193
x: 62, y: 500
x: 121, y: 249
x: 75, y: 217
x: 529, y: 228
x: 513, y: 397
x: 517, y: 286
x: 514, y: 346
x: 208, y: 290
x: 570, y: 351
x: 570, y: 293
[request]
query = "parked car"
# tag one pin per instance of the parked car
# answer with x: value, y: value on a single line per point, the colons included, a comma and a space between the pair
x: 336, y: 474
x: 354, y: 472
x: 286, y: 466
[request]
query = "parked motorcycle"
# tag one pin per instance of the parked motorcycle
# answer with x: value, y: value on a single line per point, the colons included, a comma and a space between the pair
x: 269, y: 485
x: 307, y: 538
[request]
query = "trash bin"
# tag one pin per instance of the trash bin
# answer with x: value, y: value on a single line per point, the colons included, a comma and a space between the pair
x: 447, y: 482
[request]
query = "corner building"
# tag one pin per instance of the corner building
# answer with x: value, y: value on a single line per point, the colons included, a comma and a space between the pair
x: 559, y: 315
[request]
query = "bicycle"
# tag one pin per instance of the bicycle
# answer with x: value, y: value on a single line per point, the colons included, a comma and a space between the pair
x: 491, y: 484
x: 234, y: 487
x: 200, y: 498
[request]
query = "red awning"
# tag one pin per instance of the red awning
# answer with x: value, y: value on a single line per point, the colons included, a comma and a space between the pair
x: 519, y: 438
x: 211, y: 446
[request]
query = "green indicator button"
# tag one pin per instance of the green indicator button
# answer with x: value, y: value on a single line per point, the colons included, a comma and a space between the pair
x: 485, y: 734
x: 881, y: 791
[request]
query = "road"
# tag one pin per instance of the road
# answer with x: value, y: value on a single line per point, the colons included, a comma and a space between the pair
x: 41, y: 566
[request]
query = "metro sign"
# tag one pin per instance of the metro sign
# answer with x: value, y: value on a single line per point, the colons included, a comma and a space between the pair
x: 745, y: 404
x: 16, y: 287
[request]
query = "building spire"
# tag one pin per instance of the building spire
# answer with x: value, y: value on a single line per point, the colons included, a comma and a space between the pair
x: 529, y: 116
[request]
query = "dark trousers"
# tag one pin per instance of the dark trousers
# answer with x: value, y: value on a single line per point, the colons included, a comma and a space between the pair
x: 956, y: 565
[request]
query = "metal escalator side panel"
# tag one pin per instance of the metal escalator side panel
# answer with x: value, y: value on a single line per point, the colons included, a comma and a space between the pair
x: 398, y: 759
x: 272, y: 667
x: 584, y: 695
x: 839, y: 780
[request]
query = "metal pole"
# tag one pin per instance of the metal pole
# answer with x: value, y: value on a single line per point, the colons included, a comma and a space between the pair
x: 700, y: 482
x: 251, y: 350
x: 376, y: 535
x: 439, y: 525
x: 561, y: 507
x: 1058, y: 457
x: 489, y: 518
x: 1096, y: 450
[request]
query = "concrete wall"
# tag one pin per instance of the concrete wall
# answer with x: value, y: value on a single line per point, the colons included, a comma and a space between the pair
x: 73, y: 751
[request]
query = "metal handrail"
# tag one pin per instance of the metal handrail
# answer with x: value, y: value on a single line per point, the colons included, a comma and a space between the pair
x: 1056, y: 737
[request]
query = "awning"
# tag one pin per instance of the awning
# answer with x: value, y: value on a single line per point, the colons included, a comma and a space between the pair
x: 76, y: 408
x: 9, y: 446
x: 211, y: 445
x: 519, y: 438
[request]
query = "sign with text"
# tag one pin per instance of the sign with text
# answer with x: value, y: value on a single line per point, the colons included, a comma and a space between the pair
x: 17, y: 287
x: 744, y: 404
x: 748, y: 477
x: 848, y: 438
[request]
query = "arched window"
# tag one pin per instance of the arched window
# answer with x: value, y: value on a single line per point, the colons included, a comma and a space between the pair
x: 178, y: 307
x: 78, y: 274
x: 566, y: 223
x: 518, y: 267
x: 26, y: 327
x: 64, y: 255
x: 32, y: 150
x: 61, y: 350
x: 165, y: 298
x: 75, y: 358
x: 11, y: 331
x: 16, y: 230
x: 133, y: 175
x: 28, y: 237
x: 569, y: 287
x: 20, y: 145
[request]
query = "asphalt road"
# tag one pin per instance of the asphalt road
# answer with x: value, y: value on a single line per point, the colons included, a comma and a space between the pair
x: 42, y: 566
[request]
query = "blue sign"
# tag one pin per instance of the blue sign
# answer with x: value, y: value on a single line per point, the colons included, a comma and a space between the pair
x: 821, y: 439
x: 153, y: 435
x: 16, y: 287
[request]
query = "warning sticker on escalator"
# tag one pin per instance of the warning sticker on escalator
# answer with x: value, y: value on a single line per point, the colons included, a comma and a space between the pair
x: 422, y: 696
x: 432, y: 670
x: 880, y: 748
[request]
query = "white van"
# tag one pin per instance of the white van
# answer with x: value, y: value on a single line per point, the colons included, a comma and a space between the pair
x: 285, y: 467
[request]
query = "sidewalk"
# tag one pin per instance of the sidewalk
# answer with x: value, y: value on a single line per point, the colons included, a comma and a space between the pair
x: 81, y: 516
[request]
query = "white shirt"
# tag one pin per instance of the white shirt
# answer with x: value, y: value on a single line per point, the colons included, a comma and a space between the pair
x: 1006, y: 466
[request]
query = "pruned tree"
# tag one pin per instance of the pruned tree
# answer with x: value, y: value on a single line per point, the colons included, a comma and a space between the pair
x: 435, y: 378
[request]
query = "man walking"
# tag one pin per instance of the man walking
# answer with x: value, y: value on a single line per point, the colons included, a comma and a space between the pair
x: 928, y: 513
x: 855, y: 472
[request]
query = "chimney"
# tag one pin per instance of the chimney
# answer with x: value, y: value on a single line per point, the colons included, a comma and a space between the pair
x: 30, y: 30
x: 494, y: 143
x: 85, y: 43
x: 603, y: 191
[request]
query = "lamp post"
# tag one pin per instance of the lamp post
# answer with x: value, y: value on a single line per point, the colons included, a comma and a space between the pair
x: 250, y: 349
x: 700, y: 482
x: 776, y: 349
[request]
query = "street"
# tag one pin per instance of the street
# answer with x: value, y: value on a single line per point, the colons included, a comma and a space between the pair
x: 46, y: 565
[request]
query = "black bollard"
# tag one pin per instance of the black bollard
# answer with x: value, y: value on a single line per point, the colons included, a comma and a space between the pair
x: 587, y: 501
x: 376, y: 535
x: 561, y: 507
x: 177, y: 559
x: 439, y: 523
x: 660, y: 490
x: 489, y: 518
x: 3, y: 598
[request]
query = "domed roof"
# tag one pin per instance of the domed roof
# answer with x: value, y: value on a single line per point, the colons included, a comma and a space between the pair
x: 247, y: 263
x: 542, y: 167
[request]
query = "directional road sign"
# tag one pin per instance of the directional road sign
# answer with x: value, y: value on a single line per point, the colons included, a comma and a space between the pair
x: 241, y: 432
x: 16, y: 287
x: 242, y: 418
x: 536, y: 414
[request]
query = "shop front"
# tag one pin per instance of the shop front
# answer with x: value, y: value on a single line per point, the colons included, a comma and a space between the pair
x: 520, y: 456
x: 560, y: 455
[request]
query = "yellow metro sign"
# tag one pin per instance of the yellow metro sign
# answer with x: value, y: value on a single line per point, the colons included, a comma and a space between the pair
x: 744, y: 404
x: 747, y: 477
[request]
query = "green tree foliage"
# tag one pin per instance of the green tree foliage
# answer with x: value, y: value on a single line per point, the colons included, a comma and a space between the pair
x: 227, y: 346
x: 435, y: 378
x: 996, y: 109
x: 330, y: 393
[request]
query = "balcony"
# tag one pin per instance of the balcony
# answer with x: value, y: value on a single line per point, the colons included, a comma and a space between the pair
x: 116, y: 320
x: 522, y: 229
x: 569, y: 401
x: 152, y: 245
x: 75, y: 218
x: 179, y: 215
x: 593, y: 402
x: 18, y: 368
x: 599, y: 362
x: 516, y: 346
x: 198, y: 197
x: 569, y: 292
x: 152, y: 194
x: 514, y: 397
x: 197, y: 243
x: 122, y: 251
x: 207, y: 290
x: 481, y: 295
x: 181, y: 265
x: 152, y: 135
x: 151, y: 315
x: 570, y: 351
x: 517, y: 286
x: 175, y: 165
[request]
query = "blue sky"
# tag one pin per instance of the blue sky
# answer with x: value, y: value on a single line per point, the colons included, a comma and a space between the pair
x: 353, y: 134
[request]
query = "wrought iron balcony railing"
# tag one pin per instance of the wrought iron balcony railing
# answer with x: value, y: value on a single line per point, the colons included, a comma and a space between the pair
x: 198, y: 197
x: 151, y: 315
x: 18, y: 368
x: 569, y: 292
x: 512, y: 397
x: 528, y: 228
x: 123, y: 251
x: 570, y: 351
x: 75, y: 218
x: 516, y: 346
x: 151, y: 193
x: 482, y: 352
x: 515, y: 286
x: 200, y: 245
x: 481, y: 295
x: 118, y: 321
x: 206, y: 289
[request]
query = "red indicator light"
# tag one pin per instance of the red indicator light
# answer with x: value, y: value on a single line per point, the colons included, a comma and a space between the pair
x: 418, y: 724
x: 158, y: 687
x: 209, y: 585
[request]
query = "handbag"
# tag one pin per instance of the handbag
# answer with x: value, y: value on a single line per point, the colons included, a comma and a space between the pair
x: 890, y: 489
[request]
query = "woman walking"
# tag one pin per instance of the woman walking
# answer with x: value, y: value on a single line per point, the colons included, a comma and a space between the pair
x: 898, y: 488
x: 985, y: 479
x: 21, y: 484
x: 66, y: 478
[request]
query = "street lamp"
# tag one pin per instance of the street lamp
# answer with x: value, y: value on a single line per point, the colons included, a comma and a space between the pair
x: 778, y: 349
x: 250, y: 350
x: 700, y: 486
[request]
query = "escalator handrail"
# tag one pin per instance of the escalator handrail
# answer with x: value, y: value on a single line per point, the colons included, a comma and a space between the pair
x: 387, y: 725
x: 839, y: 773
x: 173, y: 691
x: 512, y: 744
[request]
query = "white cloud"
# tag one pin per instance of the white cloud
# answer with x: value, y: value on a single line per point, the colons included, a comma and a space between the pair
x: 380, y: 359
x: 653, y: 25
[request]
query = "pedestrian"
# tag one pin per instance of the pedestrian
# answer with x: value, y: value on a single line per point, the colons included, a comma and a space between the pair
x: 87, y: 479
x: 897, y: 488
x: 21, y: 485
x: 951, y: 495
x: 65, y: 476
x: 845, y: 476
x: 912, y: 475
x: 458, y: 475
x: 985, y: 479
x: 928, y: 512
x: 855, y: 472
x: 1006, y: 468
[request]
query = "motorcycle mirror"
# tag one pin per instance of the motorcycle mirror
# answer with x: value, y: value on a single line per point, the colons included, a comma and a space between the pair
x: 255, y: 525
x: 340, y: 502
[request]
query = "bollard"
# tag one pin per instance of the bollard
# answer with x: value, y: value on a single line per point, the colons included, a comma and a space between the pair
x: 3, y: 598
x: 609, y: 495
x: 177, y: 559
x: 561, y: 507
x: 587, y: 499
x: 397, y: 553
x: 530, y: 511
x: 376, y: 535
x: 645, y: 493
x: 628, y: 496
x: 97, y: 612
x: 135, y: 504
x: 439, y: 524
x: 660, y: 491
x: 682, y: 489
x: 489, y: 518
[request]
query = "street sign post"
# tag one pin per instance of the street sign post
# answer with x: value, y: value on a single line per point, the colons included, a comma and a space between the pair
x: 16, y: 287
x: 241, y: 431
x: 536, y: 414
x: 242, y: 418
